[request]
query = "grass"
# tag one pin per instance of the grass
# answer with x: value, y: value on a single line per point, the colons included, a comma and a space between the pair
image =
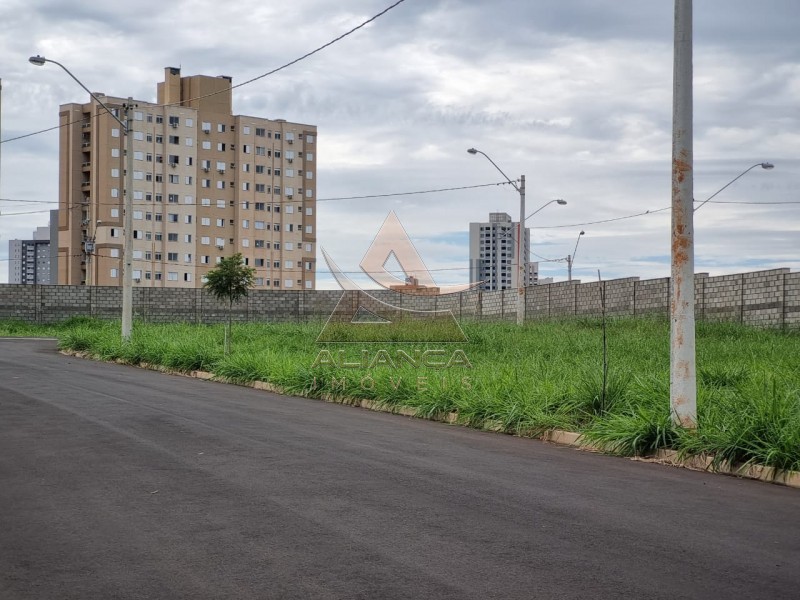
x: 522, y: 381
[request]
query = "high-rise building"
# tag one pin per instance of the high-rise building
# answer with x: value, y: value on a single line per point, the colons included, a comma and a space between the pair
x: 493, y: 253
x: 207, y: 184
x: 30, y: 260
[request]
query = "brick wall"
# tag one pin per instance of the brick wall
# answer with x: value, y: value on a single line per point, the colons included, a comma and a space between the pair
x: 763, y: 298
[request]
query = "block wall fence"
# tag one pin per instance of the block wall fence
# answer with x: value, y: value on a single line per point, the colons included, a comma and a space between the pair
x: 763, y: 298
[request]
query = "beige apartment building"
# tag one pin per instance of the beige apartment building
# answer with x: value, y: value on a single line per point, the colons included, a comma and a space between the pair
x: 207, y: 184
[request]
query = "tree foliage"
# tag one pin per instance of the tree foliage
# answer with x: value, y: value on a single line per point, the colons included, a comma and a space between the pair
x: 230, y: 280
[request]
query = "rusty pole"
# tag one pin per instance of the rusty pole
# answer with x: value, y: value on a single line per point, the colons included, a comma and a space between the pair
x: 522, y: 256
x: 683, y: 379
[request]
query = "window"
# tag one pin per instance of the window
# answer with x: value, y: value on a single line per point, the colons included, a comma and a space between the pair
x: 246, y: 167
x: 172, y: 256
x: 277, y: 135
x: 114, y: 193
x: 260, y: 169
x: 138, y: 155
x: 138, y: 135
x: 259, y: 262
x: 309, y: 266
x: 245, y: 223
x: 158, y: 236
x: 114, y: 252
x: 114, y: 273
x: 220, y: 185
x: 276, y: 283
x: 277, y: 172
x: 138, y: 175
x: 172, y: 218
x: 205, y: 240
x: 220, y: 127
x: 138, y: 115
x: 190, y: 122
x: 115, y: 232
x: 289, y: 245
x: 289, y: 172
x: 206, y: 145
x: 159, y: 140
x: 260, y: 187
x: 137, y: 215
x: 309, y: 156
x: 172, y: 276
x: 309, y: 211
x: 288, y: 264
x: 220, y: 146
x: 245, y: 186
x: 205, y: 201
x: 220, y: 242
x: 220, y: 222
x: 246, y: 148
x: 149, y: 137
x: 261, y: 151
x: 148, y: 216
x: 115, y: 133
x: 259, y: 205
x: 259, y: 243
x: 187, y: 180
x: 259, y: 224
x: 174, y: 120
x: 174, y: 178
x: 220, y: 203
x: 205, y: 221
x: 204, y: 260
x: 187, y: 238
x: 246, y: 130
x: 276, y: 191
x: 258, y: 281
x: 158, y: 275
x: 245, y: 243
x: 288, y: 283
x: 187, y: 219
x: 260, y: 132
x: 174, y: 139
x: 189, y: 141
x: 309, y: 194
x: 309, y: 175
x: 188, y: 199
x: 115, y: 172
x: 172, y: 237
x: 308, y: 247
x: 187, y: 276
x: 172, y: 198
x: 309, y: 139
x: 206, y: 183
x: 309, y: 229
x: 114, y: 213
x: 206, y: 126
x: 115, y: 153
x: 308, y: 284
x: 246, y: 205
x: 277, y: 153
x: 159, y: 197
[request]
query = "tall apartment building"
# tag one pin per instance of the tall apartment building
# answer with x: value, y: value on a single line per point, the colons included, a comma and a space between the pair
x: 32, y: 261
x: 493, y: 253
x: 207, y: 184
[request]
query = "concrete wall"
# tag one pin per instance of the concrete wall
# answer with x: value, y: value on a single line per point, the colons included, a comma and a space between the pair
x: 763, y: 298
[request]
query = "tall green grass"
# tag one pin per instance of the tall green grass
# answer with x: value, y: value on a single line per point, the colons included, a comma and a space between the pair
x: 523, y: 380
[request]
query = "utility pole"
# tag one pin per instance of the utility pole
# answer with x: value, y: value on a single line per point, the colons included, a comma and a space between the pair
x: 683, y: 377
x: 521, y: 255
x: 127, y: 225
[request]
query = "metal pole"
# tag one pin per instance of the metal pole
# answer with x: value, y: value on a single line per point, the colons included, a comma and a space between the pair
x: 683, y: 378
x: 521, y: 255
x: 569, y: 267
x: 127, y: 273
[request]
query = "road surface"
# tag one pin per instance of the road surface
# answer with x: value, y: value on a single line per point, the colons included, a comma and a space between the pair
x: 117, y: 482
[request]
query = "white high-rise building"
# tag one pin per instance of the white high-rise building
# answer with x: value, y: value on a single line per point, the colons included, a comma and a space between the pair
x: 493, y: 253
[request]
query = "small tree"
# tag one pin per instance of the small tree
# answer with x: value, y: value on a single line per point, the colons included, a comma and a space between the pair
x: 230, y: 280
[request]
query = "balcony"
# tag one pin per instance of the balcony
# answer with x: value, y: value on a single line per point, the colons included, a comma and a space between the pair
x: 86, y: 184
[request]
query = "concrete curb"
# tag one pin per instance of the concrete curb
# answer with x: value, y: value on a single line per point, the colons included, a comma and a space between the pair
x: 555, y: 436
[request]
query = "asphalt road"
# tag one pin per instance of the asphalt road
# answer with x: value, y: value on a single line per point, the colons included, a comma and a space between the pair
x: 121, y: 483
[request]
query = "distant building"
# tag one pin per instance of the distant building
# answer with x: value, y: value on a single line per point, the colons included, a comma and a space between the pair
x: 30, y: 261
x: 206, y: 184
x: 493, y: 253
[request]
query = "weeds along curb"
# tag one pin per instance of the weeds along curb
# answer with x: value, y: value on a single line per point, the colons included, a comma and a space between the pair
x: 555, y: 436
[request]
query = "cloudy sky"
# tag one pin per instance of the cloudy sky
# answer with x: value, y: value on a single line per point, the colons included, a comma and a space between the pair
x: 575, y: 94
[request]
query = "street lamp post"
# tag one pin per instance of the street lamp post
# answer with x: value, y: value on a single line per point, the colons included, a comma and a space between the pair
x: 764, y: 165
x: 571, y: 257
x: 127, y: 128
x: 521, y: 258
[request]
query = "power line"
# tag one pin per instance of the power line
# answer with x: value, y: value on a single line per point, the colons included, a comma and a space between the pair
x: 233, y: 87
x: 466, y: 187
x: 647, y: 212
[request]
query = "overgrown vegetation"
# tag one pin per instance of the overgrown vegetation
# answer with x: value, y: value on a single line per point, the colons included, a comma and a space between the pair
x: 522, y: 381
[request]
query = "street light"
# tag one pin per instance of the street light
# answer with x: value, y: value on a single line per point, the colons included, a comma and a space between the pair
x: 764, y: 165
x: 127, y: 280
x: 521, y: 259
x: 571, y: 258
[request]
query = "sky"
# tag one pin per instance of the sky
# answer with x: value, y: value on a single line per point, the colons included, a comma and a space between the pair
x: 574, y: 94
